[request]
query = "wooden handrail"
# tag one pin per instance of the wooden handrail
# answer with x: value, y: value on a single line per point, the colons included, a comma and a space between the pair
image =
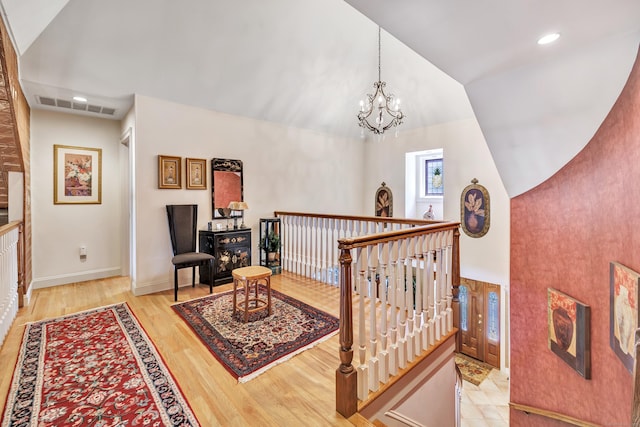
x: 552, y: 415
x: 389, y: 236
x: 10, y: 226
x: 410, y: 221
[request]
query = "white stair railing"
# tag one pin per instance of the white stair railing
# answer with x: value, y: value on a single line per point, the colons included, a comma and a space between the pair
x: 9, y: 276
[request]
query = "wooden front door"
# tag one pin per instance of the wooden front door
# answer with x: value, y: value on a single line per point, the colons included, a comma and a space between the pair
x: 480, y: 320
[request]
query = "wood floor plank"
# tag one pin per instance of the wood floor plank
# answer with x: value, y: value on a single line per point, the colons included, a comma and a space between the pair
x: 300, y: 391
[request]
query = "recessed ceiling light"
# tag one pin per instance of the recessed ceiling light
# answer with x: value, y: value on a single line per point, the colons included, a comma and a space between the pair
x: 549, y: 38
x: 79, y: 99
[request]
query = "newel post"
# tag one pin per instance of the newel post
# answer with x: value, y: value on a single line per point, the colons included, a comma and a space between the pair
x: 346, y: 376
x: 455, y: 281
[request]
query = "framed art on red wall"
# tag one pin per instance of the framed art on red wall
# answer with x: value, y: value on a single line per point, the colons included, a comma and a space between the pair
x: 569, y: 331
x: 624, y: 285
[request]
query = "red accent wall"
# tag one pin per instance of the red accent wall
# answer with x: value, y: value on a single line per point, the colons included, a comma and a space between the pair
x: 564, y: 234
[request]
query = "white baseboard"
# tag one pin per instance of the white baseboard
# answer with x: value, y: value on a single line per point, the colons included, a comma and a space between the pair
x: 63, y: 279
x: 150, y: 287
x: 155, y: 286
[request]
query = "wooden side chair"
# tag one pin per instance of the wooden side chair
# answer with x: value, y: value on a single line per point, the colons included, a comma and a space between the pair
x: 183, y: 220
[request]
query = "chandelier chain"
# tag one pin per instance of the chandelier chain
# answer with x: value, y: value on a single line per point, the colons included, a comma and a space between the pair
x: 379, y: 56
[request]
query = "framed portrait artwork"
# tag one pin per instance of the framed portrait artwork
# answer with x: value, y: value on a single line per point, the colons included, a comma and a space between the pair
x: 77, y: 175
x: 623, y: 312
x: 474, y: 210
x: 569, y: 335
x: 169, y: 172
x: 196, y: 174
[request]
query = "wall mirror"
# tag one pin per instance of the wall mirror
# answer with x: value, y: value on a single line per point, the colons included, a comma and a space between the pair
x: 226, y: 186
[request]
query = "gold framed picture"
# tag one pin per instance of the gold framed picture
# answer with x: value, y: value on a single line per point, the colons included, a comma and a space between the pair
x: 77, y: 175
x: 169, y: 172
x: 196, y: 174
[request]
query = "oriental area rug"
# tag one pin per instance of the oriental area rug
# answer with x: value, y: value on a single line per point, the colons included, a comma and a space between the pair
x: 95, y: 368
x: 248, y: 349
x: 472, y: 370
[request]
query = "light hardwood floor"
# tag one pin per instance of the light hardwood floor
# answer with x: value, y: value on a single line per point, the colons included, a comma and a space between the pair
x: 298, y: 392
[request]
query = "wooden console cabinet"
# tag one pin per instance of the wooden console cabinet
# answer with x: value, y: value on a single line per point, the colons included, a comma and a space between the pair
x: 231, y: 249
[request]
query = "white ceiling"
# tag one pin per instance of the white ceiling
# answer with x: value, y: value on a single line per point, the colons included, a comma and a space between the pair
x: 307, y: 63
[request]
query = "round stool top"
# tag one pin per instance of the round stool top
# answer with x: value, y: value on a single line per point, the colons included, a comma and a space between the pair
x: 253, y: 272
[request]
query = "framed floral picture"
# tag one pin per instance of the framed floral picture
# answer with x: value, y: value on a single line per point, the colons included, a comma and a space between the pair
x: 474, y: 210
x: 77, y: 175
x: 569, y: 336
x: 196, y: 174
x: 624, y: 286
x: 169, y: 172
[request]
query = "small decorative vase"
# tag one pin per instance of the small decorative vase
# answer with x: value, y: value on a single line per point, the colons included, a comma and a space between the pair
x: 472, y: 222
x: 563, y: 328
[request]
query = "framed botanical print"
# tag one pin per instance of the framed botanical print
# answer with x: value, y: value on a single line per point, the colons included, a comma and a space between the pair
x: 196, y: 174
x: 169, y: 172
x: 77, y: 175
x: 474, y: 210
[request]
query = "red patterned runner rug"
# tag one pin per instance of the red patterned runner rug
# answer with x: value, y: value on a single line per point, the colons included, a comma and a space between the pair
x: 96, y: 368
x: 248, y: 349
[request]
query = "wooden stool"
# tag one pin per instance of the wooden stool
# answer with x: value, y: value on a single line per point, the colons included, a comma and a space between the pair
x: 251, y: 277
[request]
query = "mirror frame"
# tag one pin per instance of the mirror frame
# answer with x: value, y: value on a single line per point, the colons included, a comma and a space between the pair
x: 225, y: 165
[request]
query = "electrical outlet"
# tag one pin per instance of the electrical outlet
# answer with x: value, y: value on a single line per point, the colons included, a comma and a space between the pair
x: 83, y: 251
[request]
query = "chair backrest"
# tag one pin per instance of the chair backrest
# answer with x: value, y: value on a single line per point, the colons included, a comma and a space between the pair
x: 183, y: 220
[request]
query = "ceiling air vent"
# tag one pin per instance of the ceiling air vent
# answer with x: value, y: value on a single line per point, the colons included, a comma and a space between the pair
x: 78, y: 106
x: 47, y: 101
x: 63, y: 103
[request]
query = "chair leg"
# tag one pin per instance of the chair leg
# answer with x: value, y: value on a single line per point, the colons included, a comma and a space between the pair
x: 210, y: 276
x: 175, y: 284
x: 193, y: 276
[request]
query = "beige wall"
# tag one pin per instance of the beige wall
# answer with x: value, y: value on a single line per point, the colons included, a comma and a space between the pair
x: 284, y: 169
x: 59, y: 230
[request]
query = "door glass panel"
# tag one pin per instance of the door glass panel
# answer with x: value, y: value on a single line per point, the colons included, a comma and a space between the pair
x: 493, y: 323
x: 464, y: 302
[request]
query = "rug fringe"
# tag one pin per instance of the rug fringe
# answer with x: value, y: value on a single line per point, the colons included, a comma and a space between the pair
x: 283, y: 359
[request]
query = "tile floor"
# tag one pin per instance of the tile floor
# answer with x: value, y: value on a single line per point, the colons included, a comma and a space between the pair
x: 486, y: 405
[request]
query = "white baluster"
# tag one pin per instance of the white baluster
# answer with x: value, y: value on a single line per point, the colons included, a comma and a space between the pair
x: 431, y: 289
x: 409, y: 296
x: 374, y: 368
x: 393, y: 317
x: 363, y: 367
x: 418, y: 321
x: 449, y: 310
x: 383, y: 355
x: 402, y: 306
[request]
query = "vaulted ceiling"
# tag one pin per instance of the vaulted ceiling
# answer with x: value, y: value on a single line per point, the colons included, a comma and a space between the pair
x: 307, y: 63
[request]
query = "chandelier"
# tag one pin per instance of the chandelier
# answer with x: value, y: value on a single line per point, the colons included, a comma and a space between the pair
x: 383, y: 109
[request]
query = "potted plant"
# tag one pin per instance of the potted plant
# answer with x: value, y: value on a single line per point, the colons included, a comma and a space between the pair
x: 271, y: 244
x: 437, y: 178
